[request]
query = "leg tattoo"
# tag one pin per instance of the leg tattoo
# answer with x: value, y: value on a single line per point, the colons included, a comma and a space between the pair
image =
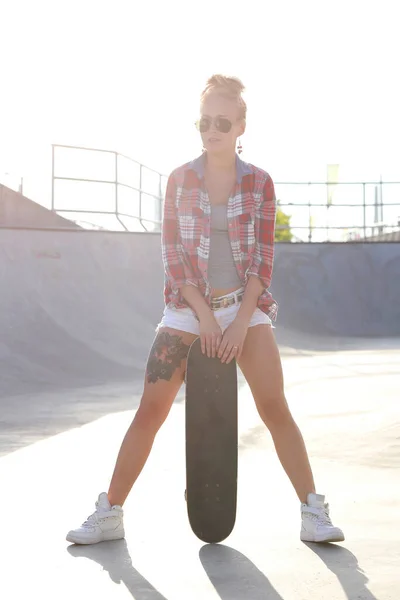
x: 166, y: 356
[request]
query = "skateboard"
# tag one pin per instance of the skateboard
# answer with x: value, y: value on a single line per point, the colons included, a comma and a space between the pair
x: 211, y: 444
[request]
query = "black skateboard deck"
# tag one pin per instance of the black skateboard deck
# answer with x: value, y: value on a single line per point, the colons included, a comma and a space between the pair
x: 211, y: 444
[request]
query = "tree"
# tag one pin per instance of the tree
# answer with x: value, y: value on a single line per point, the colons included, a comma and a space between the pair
x: 282, y: 228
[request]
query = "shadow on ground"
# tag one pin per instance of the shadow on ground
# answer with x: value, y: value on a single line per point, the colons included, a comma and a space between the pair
x: 234, y: 576
x: 344, y: 565
x: 114, y: 557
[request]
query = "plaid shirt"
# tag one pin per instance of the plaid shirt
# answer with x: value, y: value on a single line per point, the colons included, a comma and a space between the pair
x: 251, y: 214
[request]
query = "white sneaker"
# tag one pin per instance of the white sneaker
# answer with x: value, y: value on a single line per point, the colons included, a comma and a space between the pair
x: 106, y: 523
x: 316, y: 523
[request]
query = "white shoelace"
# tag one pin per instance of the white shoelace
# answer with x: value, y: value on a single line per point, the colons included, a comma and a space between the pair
x: 90, y: 520
x: 93, y: 518
x: 324, y: 518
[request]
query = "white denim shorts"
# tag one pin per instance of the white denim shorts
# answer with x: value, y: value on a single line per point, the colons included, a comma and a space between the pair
x: 184, y: 319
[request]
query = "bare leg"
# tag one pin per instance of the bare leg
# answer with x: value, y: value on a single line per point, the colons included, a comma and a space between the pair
x: 164, y: 376
x: 261, y: 365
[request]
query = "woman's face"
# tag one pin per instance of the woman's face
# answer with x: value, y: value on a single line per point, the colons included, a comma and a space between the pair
x: 217, y: 115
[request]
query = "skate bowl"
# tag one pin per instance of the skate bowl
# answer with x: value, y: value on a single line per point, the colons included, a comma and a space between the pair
x: 81, y: 307
x: 350, y: 289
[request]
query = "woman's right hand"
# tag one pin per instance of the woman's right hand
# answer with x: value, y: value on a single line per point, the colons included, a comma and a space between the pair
x: 210, y: 335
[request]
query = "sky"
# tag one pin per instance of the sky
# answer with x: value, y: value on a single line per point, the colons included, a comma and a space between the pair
x: 321, y: 82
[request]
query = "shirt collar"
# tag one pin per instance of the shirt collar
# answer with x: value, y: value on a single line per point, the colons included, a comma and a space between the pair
x: 198, y: 165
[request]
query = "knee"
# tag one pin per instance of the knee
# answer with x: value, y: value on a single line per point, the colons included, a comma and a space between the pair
x: 275, y: 411
x: 151, y: 414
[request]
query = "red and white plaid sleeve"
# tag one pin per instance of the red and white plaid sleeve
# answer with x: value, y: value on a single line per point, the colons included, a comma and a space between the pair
x: 177, y: 269
x: 263, y: 257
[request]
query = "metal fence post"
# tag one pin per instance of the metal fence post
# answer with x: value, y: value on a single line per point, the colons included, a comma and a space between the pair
x: 309, y: 215
x: 116, y: 184
x: 52, y: 177
x: 364, y: 213
x: 140, y: 195
x: 160, y: 198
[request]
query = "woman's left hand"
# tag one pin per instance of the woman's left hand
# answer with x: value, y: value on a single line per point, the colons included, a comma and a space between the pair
x: 232, y: 341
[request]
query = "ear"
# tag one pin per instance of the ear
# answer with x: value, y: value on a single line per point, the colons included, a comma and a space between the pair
x: 242, y: 127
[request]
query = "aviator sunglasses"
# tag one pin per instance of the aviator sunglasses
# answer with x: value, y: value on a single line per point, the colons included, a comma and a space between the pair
x: 222, y: 124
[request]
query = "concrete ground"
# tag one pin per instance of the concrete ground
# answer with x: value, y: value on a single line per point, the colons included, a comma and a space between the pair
x: 64, y: 448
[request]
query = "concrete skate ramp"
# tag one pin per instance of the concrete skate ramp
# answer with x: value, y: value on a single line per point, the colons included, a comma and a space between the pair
x: 76, y: 308
x: 338, y: 289
x: 80, y: 308
x: 17, y: 210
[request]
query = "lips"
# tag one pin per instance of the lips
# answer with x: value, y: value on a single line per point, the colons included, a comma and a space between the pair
x: 214, y: 139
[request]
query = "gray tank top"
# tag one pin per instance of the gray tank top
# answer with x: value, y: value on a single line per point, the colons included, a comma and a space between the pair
x: 222, y: 271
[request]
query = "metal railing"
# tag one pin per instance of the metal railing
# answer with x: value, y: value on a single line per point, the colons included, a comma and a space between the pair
x: 317, y: 211
x: 117, y: 211
x: 356, y: 211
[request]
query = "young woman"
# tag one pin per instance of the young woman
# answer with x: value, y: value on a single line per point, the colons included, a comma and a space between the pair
x: 218, y: 248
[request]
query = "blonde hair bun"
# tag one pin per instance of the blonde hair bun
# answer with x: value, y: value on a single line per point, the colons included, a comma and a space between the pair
x: 228, y: 87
